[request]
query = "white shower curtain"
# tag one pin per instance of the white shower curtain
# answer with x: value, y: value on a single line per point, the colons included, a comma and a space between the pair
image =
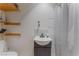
x: 61, y: 30
x: 73, y: 29
x: 67, y: 30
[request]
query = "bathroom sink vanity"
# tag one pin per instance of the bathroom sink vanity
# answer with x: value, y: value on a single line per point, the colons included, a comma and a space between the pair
x: 42, y: 46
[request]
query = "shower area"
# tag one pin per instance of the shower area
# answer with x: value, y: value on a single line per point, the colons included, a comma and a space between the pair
x: 59, y: 21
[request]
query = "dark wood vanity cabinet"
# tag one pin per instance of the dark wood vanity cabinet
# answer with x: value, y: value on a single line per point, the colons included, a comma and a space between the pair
x: 40, y: 50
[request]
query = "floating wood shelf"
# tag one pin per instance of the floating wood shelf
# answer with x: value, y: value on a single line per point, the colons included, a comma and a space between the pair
x: 11, y: 23
x: 1, y: 21
x: 8, y: 7
x: 12, y: 34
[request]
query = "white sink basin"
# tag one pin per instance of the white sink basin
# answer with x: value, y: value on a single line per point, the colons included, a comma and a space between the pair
x: 42, y: 41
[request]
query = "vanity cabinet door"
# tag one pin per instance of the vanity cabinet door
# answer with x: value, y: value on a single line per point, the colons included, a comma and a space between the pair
x: 42, y: 51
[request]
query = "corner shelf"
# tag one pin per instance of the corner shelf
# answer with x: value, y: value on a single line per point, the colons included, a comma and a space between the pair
x: 12, y: 34
x: 8, y: 7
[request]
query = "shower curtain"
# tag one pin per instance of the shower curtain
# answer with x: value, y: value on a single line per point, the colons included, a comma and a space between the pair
x: 73, y: 29
x: 61, y: 30
x: 67, y: 30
